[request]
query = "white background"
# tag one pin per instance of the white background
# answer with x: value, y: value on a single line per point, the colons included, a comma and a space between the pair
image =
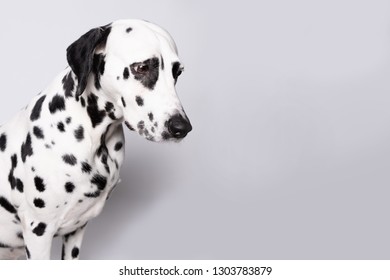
x: 290, y: 153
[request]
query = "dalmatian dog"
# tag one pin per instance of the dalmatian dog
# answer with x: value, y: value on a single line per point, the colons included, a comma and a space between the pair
x: 60, y: 156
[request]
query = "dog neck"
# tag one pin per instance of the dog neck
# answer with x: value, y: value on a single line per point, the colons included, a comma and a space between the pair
x: 103, y: 114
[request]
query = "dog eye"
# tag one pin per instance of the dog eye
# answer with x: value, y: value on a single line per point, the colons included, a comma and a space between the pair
x: 142, y: 68
x: 177, y: 69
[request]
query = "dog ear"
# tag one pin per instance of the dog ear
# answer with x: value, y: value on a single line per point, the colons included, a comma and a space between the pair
x: 80, y: 54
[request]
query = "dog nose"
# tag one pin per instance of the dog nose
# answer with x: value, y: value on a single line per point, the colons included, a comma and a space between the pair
x: 179, y: 126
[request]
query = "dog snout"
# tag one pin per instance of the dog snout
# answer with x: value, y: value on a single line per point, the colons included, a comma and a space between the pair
x: 179, y: 126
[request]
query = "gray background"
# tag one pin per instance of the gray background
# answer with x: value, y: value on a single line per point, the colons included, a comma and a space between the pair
x: 290, y: 155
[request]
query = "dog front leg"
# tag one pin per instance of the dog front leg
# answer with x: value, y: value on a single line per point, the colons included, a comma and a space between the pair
x: 71, y: 244
x: 38, y: 237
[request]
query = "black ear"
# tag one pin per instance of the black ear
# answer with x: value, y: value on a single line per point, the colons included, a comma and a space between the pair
x: 80, y: 54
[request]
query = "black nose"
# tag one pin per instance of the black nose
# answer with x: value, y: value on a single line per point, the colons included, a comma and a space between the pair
x: 179, y: 126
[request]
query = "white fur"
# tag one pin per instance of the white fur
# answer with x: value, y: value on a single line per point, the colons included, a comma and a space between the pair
x: 63, y: 212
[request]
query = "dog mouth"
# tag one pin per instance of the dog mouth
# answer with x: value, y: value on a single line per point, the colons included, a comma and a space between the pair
x: 176, y: 128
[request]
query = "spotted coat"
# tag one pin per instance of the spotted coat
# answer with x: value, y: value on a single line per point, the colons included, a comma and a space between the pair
x: 60, y: 157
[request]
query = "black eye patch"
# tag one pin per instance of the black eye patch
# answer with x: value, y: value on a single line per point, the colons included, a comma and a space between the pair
x: 148, y: 78
x: 176, y: 70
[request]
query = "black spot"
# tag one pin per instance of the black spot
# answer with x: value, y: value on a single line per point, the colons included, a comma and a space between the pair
x: 126, y: 73
x: 128, y: 30
x: 27, y: 253
x: 39, y: 203
x: 69, y: 187
x: 109, y: 106
x: 165, y: 135
x: 150, y: 138
x: 100, y: 181
x: 7, y: 205
x: 103, y: 148
x: 14, y: 160
x: 93, y: 194
x: 94, y: 113
x: 162, y: 63
x: 155, y: 124
x: 141, y: 125
x: 139, y: 100
x: 3, y: 142
x: 36, y: 111
x: 151, y: 117
x: 176, y: 71
x: 118, y: 146
x: 79, y: 133
x: 19, y: 185
x: 26, y: 149
x: 85, y: 167
x: 2, y: 245
x: 57, y: 104
x: 20, y: 235
x: 104, y: 161
x: 38, y: 132
x: 129, y: 125
x: 39, y: 184
x: 82, y: 101
x: 39, y: 230
x: 123, y: 102
x: 68, y: 85
x: 149, y: 78
x: 61, y: 127
x: 98, y: 66
x: 69, y: 159
x: 112, y: 116
x: 75, y: 252
x: 68, y: 120
x: 11, y: 178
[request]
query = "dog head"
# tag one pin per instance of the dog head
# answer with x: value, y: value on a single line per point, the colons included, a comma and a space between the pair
x: 136, y: 65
